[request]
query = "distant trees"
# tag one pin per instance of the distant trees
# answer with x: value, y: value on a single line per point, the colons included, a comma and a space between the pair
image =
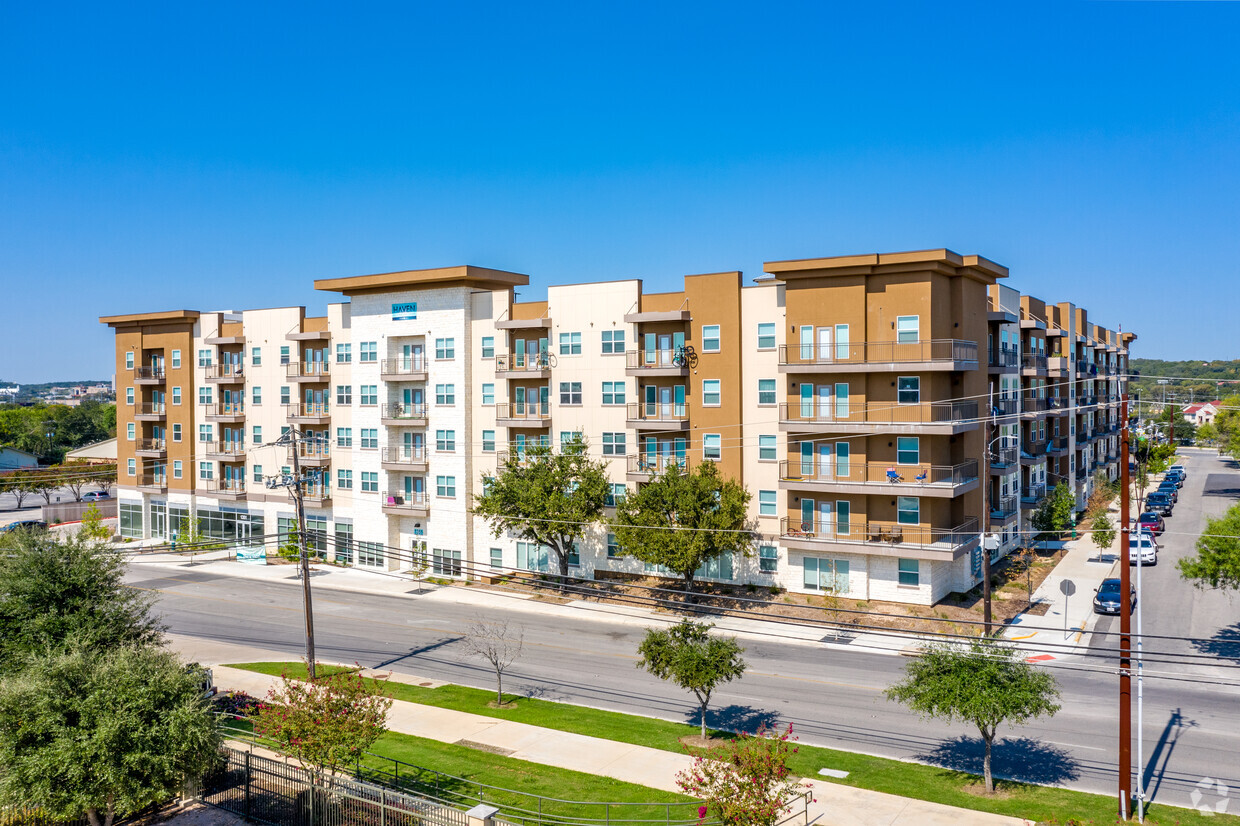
x: 693, y: 658
x: 48, y: 430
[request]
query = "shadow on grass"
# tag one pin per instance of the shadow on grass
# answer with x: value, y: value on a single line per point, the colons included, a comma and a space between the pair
x: 1020, y: 759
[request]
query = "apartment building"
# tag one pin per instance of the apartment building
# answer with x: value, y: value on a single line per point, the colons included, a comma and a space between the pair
x: 882, y: 410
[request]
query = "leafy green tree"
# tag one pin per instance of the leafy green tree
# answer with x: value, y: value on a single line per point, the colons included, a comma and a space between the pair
x: 102, y: 734
x: 19, y: 484
x: 1054, y: 513
x: 746, y: 781
x: 986, y: 684
x: 68, y: 594
x: 92, y: 524
x: 1103, y: 532
x: 693, y: 658
x: 75, y: 476
x: 684, y: 520
x: 547, y: 498
x: 1217, y: 563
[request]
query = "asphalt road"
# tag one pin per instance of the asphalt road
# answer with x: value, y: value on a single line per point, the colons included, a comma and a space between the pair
x: 833, y: 697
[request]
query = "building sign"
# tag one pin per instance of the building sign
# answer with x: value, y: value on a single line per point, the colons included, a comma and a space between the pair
x: 405, y: 312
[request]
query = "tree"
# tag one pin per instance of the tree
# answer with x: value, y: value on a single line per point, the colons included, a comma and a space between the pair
x: 75, y: 476
x: 68, y: 594
x: 986, y: 684
x: 1217, y: 564
x: 19, y: 484
x: 684, y: 520
x: 1103, y: 532
x: 325, y: 723
x: 105, y: 477
x: 546, y: 498
x: 44, y: 484
x: 497, y: 643
x: 1054, y: 513
x: 102, y: 734
x: 92, y: 524
x: 745, y: 782
x: 693, y: 658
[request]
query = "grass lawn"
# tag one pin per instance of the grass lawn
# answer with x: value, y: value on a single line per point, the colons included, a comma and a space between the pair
x: 914, y: 780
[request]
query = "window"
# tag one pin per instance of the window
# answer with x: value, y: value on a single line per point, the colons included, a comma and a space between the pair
x: 176, y: 395
x: 615, y: 494
x: 718, y: 568
x: 344, y: 437
x: 284, y: 395
x: 766, y: 336
x: 445, y: 441
x: 613, y: 392
x: 711, y: 394
x: 177, y: 469
x: 766, y: 391
x: 204, y: 394
x: 445, y: 563
x: 613, y: 549
x: 613, y: 443
x: 908, y: 510
x: 129, y: 395
x: 370, y: 482
x: 907, y: 328
x: 710, y: 338
x: 344, y: 394
x: 445, y: 394
x: 766, y: 448
x: 370, y: 438
x: 256, y: 356
x: 130, y: 520
x: 370, y: 553
x: 130, y: 431
x: 129, y: 360
x: 613, y: 342
x: 344, y: 354
x: 445, y: 486
x: 571, y: 441
x: 768, y: 559
x: 445, y: 348
x: 131, y: 465
x: 176, y: 358
x: 488, y: 350
x: 488, y: 393
x: 488, y: 441
x: 368, y: 352
x: 256, y: 394
x: 206, y: 470
x: 258, y: 474
x: 830, y: 575
x: 344, y: 479
x: 711, y: 446
x: 204, y: 358
x: 570, y: 344
x: 909, y: 573
x: 766, y: 503
x: 908, y: 450
x: 344, y: 542
x: 369, y: 394
x: 176, y: 432
x: 908, y: 390
x: 205, y: 433
x: 284, y: 354
x: 570, y: 392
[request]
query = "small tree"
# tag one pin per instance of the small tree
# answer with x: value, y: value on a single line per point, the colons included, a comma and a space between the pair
x: 92, y: 524
x: 693, y: 658
x: 498, y: 644
x: 1054, y: 513
x: 745, y: 782
x: 1103, y: 532
x: 986, y: 684
x: 326, y: 723
x: 43, y: 484
x: 1217, y: 563
x: 104, y: 476
x: 75, y: 476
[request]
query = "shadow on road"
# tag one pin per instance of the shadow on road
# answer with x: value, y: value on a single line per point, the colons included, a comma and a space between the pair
x: 413, y: 652
x: 1177, y: 724
x: 736, y: 718
x: 1225, y: 643
x: 1022, y: 758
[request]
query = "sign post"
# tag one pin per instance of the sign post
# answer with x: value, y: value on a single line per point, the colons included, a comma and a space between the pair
x: 1067, y: 587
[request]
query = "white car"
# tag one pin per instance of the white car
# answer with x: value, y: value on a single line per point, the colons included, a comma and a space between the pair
x: 1143, y: 547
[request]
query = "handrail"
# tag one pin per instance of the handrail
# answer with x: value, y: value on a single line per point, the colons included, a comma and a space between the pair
x: 402, y: 453
x: 402, y: 366
x: 523, y: 410
x: 810, y: 469
x: 868, y: 532
x: 656, y: 411
x: 829, y: 411
x: 880, y: 352
x: 399, y: 410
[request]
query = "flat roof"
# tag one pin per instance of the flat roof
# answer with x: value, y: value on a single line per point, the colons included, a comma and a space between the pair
x: 933, y: 256
x: 149, y: 318
x: 379, y: 282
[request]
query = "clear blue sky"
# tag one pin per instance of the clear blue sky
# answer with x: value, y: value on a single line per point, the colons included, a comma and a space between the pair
x: 214, y: 155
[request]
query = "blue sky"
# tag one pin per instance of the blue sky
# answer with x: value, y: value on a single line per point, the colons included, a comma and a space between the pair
x: 220, y: 155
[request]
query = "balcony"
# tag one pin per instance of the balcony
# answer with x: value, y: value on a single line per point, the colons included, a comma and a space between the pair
x: 308, y: 371
x: 640, y: 468
x: 1082, y: 473
x: 657, y: 416
x: 1032, y: 451
x: 224, y: 488
x: 929, y: 418
x: 941, y: 481
x: 227, y: 451
x: 1004, y: 406
x: 1004, y: 508
x: 880, y: 538
x: 1004, y: 459
x: 411, y: 458
x: 672, y: 362
x: 1033, y: 364
x: 1058, y: 405
x: 879, y: 356
x: 153, y: 482
x: 149, y: 412
x: 522, y: 366
x: 148, y: 375
x: 1057, y: 365
x: 400, y: 503
x: 1058, y: 445
x: 1086, y: 368
x: 1003, y: 360
x: 231, y: 373
x: 403, y: 415
x: 224, y: 412
x: 151, y: 448
x: 656, y: 316
x: 316, y: 493
x: 1031, y: 495
x: 412, y: 368
x: 308, y: 413
x: 1033, y: 407
x: 523, y: 414
x: 314, y: 452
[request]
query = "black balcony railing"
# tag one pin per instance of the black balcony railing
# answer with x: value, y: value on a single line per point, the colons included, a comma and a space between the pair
x: 1033, y: 361
x: 1034, y: 404
x: 1003, y: 507
x: 1004, y: 457
x: 153, y: 373
x: 405, y: 500
x: 1003, y: 357
x: 876, y: 533
x: 1032, y: 494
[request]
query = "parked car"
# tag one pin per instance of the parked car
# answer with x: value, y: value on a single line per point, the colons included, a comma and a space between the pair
x: 1107, y: 597
x: 95, y: 496
x: 1141, y: 546
x: 24, y: 525
x: 1178, y: 478
x: 1151, y: 523
x: 1160, y: 503
x: 1178, y: 469
x: 1171, y: 490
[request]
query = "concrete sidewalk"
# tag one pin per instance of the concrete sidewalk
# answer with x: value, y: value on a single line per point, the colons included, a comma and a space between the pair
x: 835, y: 804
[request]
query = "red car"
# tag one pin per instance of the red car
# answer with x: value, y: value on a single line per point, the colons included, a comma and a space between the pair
x: 1152, y: 523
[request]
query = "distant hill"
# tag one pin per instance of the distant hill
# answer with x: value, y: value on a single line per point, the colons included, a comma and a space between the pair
x: 1195, y: 380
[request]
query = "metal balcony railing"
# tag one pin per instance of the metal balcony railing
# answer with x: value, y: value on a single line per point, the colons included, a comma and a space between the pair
x: 317, y: 448
x: 880, y: 352
x: 227, y: 448
x: 1034, y: 404
x: 403, y: 411
x: 1004, y: 457
x: 1003, y: 357
x: 1033, y: 361
x: 878, y: 473
x: 411, y: 500
x: 307, y: 410
x: 234, y: 486
x: 224, y: 409
x: 1005, y: 406
x: 1057, y: 403
x: 881, y: 413
x: 316, y: 492
x: 308, y: 369
x: 403, y: 365
x: 406, y: 454
x: 517, y: 362
x: 227, y: 370
x: 149, y: 373
x: 151, y: 444
x: 150, y: 409
x: 652, y: 359
x: 1003, y: 507
x: 656, y: 412
x: 1032, y: 494
x: 876, y: 533
x: 1033, y: 447
x: 153, y: 480
x: 657, y: 463
x: 523, y: 410
x: 1058, y: 444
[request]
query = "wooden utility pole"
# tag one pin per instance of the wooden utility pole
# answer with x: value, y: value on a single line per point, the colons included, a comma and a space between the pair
x: 307, y: 606
x: 981, y: 539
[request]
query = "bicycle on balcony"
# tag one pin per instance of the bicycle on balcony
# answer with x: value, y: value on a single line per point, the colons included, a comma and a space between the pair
x: 685, y: 356
x: 545, y: 359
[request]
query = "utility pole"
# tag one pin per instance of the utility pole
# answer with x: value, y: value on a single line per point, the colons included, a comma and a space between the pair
x: 981, y: 539
x: 292, y: 439
x: 1125, y: 626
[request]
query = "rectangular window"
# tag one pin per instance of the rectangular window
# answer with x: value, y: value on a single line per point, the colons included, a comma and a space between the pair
x: 131, y: 465
x: 256, y: 356
x: 205, y: 433
x: 908, y: 450
x: 570, y: 344
x: 711, y: 394
x: 908, y: 510
x: 204, y: 395
x: 258, y: 474
x: 176, y: 395
x: 344, y: 542
x: 909, y: 572
x: 368, y: 352
x: 284, y: 395
x: 445, y: 441
x: 768, y: 559
x: 130, y: 431
x: 614, y: 443
x: 497, y: 558
x: 488, y: 347
x: 370, y: 482
x: 766, y: 503
x: 711, y: 446
x: 907, y: 329
x: 445, y: 394
x: 256, y: 394
x: 909, y: 390
x: 284, y: 354
x: 130, y: 520
x: 204, y: 358
x: 615, y: 494
x: 766, y: 336
x: 488, y: 441
x: 710, y: 338
x: 368, y: 394
x: 445, y: 563
x: 176, y: 358
x: 766, y: 392
x: 176, y: 432
x: 613, y: 392
x: 344, y: 437
x: 344, y: 479
x: 344, y: 394
x: 129, y: 396
x: 176, y: 468
x: 445, y: 348
x: 129, y: 360
x: 370, y: 438
x: 488, y: 393
x: 445, y: 486
x: 766, y: 448
x: 613, y: 342
x: 613, y: 549
x: 570, y: 392
x: 344, y: 353
x: 206, y: 470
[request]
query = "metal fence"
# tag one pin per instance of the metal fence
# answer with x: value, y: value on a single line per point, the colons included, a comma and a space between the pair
x: 26, y: 817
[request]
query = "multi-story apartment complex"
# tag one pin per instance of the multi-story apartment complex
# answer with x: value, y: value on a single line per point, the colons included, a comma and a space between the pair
x: 881, y: 409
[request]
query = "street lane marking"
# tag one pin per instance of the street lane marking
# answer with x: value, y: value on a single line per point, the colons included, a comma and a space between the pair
x: 1074, y: 745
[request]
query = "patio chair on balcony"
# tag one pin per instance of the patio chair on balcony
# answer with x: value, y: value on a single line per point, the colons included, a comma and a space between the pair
x: 922, y: 477
x: 875, y: 533
x: 895, y: 535
x: 894, y: 476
